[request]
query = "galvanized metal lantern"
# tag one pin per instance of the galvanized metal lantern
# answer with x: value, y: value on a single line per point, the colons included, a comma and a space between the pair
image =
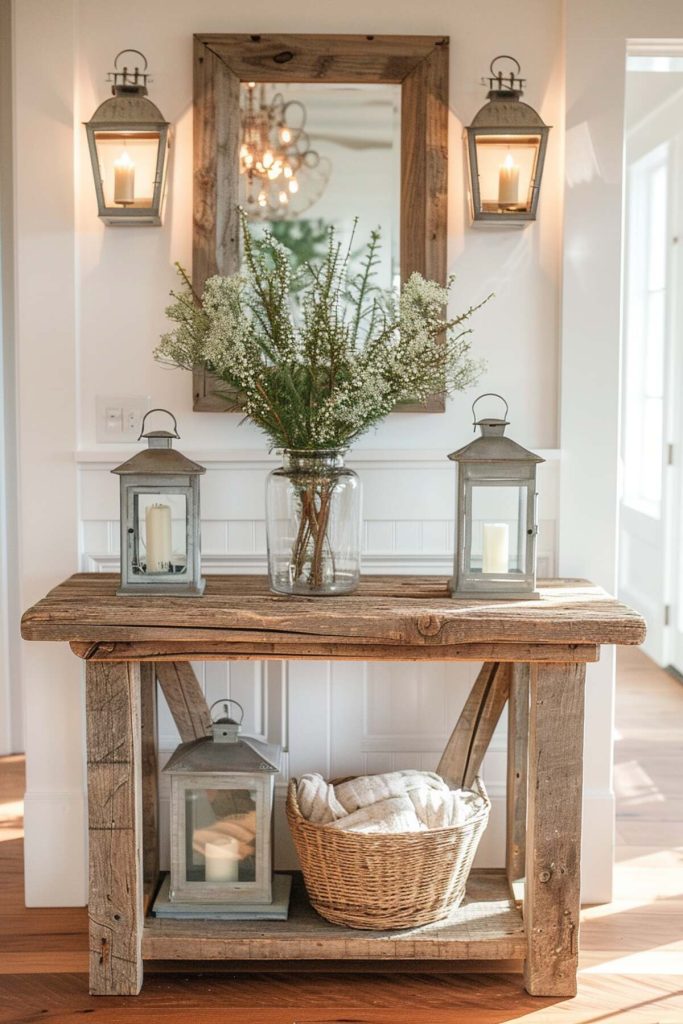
x: 160, y: 525
x: 128, y: 140
x: 222, y: 789
x: 506, y: 145
x: 496, y: 526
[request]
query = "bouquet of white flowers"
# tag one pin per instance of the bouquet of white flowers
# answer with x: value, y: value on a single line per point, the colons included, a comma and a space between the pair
x: 319, y: 359
x: 317, y: 356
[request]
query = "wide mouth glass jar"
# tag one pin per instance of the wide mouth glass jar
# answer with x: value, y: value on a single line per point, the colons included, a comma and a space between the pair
x: 313, y: 524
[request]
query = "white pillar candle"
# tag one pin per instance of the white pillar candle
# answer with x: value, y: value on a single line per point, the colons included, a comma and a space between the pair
x: 158, y: 532
x: 124, y: 179
x: 222, y: 859
x: 508, y: 183
x: 496, y: 547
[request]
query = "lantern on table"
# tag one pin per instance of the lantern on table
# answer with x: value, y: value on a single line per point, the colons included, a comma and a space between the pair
x: 496, y: 526
x: 160, y: 525
x: 128, y: 141
x: 222, y: 789
x: 506, y: 145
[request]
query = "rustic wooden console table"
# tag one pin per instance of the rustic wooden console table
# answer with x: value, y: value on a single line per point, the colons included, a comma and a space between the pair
x: 534, y: 655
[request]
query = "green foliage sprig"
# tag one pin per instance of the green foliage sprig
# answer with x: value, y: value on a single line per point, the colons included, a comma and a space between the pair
x: 319, y: 354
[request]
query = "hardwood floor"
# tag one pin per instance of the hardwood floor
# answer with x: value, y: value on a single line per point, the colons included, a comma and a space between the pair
x: 631, y: 964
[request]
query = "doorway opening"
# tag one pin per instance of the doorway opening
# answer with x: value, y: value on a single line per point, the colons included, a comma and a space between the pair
x: 650, y: 518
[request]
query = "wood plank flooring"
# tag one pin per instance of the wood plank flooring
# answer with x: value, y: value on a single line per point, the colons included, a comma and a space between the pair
x: 631, y: 964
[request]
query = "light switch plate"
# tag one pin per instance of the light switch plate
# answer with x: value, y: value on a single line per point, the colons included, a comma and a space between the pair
x: 119, y: 417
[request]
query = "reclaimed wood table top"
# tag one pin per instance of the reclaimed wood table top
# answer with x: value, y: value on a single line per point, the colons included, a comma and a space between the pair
x: 414, y: 615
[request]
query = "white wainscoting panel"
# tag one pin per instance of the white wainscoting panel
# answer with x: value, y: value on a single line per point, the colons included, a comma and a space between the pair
x: 337, y: 718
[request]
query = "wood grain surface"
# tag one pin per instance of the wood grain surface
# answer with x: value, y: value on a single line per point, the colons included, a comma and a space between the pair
x: 516, y: 788
x: 553, y: 838
x: 486, y: 925
x: 115, y: 907
x: 385, y: 614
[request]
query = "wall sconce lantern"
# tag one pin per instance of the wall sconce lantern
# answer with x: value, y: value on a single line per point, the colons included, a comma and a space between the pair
x: 506, y: 145
x: 160, y: 523
x: 495, y: 553
x: 128, y: 141
x: 222, y: 789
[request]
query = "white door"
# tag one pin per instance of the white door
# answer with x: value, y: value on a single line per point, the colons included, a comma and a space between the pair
x: 674, y: 638
x: 645, y: 526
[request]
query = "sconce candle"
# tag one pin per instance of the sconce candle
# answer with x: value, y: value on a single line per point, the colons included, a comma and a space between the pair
x: 124, y: 180
x: 508, y: 182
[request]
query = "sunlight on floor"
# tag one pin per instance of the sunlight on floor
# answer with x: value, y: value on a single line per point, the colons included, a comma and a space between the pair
x: 11, y: 809
x: 633, y: 784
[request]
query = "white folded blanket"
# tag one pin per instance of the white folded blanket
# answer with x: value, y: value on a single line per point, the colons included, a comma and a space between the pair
x: 395, y: 814
x: 369, y: 789
x: 317, y: 801
x: 405, y: 801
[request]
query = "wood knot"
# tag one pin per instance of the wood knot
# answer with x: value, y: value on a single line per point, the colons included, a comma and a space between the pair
x: 429, y: 625
x: 545, y: 876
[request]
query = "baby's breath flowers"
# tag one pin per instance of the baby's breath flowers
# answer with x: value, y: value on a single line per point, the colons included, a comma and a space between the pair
x: 321, y: 355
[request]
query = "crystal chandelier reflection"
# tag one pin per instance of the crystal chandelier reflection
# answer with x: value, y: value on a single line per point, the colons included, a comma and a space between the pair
x: 282, y: 175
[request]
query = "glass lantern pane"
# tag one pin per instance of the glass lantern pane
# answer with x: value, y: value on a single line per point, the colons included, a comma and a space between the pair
x: 128, y: 167
x: 161, y: 533
x: 220, y: 835
x: 498, y: 523
x: 507, y: 171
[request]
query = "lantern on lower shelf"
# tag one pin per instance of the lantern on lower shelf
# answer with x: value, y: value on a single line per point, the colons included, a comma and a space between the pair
x: 222, y: 789
x: 128, y: 141
x: 160, y: 525
x: 496, y: 526
x: 506, y: 145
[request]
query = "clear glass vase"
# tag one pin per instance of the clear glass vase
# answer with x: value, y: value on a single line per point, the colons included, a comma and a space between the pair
x: 313, y: 524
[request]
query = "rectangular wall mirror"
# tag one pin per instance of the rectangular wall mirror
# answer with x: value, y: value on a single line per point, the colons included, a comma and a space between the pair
x: 310, y: 131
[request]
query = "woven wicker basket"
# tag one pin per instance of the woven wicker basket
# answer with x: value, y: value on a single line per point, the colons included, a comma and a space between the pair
x: 382, y: 882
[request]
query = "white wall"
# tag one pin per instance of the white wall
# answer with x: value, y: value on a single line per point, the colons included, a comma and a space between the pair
x: 90, y: 305
x: 11, y: 732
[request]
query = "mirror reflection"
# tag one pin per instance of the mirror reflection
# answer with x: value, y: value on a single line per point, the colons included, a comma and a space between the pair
x: 319, y: 155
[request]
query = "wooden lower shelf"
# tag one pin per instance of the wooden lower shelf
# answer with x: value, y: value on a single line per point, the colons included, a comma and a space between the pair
x: 487, y: 926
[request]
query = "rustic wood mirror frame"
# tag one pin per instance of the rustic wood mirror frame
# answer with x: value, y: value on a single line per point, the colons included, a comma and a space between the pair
x: 419, y: 64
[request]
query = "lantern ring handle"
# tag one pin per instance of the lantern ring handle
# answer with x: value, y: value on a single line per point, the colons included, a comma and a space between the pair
x: 149, y: 413
x: 488, y: 394
x: 139, y: 53
x: 226, y: 701
x: 504, y: 56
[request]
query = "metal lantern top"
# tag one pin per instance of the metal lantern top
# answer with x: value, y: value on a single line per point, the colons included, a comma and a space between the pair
x: 505, y: 111
x: 159, y: 457
x: 225, y: 750
x: 492, y: 445
x: 128, y: 106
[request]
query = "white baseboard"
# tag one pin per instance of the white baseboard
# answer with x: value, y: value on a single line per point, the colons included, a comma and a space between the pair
x: 55, y: 849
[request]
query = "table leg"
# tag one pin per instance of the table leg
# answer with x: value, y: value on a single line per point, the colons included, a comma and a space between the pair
x: 114, y: 823
x: 518, y: 732
x: 150, y: 782
x: 553, y: 849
